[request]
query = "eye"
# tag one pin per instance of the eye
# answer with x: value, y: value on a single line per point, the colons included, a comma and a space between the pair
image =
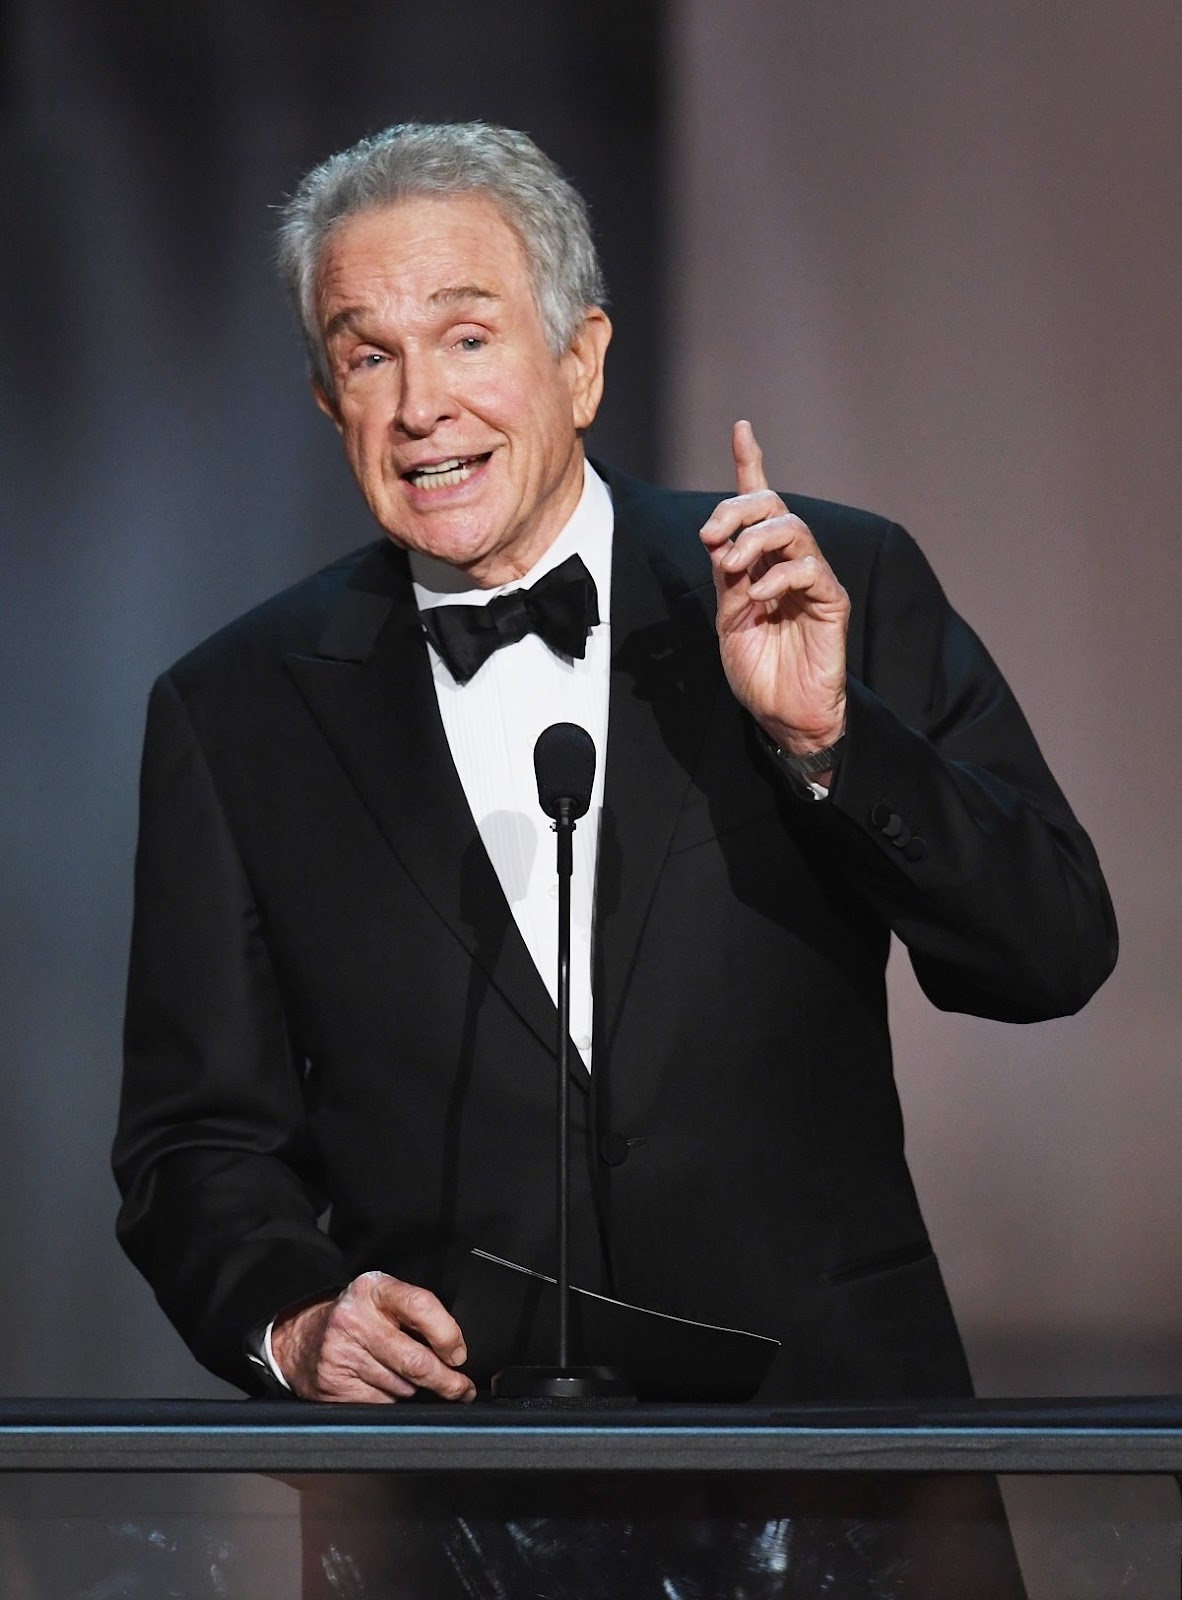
x: 372, y: 358
x: 471, y: 341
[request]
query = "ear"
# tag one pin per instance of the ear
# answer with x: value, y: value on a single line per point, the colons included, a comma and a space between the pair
x: 326, y: 403
x: 583, y: 364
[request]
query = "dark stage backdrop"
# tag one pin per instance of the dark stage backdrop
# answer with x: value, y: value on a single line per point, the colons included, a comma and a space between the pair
x: 163, y: 468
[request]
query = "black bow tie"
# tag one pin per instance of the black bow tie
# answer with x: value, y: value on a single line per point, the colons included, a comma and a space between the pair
x: 561, y: 608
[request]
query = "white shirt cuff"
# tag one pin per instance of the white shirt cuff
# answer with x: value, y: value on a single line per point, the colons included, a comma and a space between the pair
x: 269, y: 1360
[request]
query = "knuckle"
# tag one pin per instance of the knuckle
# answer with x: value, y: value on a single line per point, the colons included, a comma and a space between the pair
x: 417, y: 1302
x: 416, y: 1361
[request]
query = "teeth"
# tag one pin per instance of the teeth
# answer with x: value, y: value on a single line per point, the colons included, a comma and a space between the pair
x: 444, y: 474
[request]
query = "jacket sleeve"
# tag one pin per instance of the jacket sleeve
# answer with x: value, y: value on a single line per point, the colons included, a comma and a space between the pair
x: 945, y: 817
x: 212, y: 1153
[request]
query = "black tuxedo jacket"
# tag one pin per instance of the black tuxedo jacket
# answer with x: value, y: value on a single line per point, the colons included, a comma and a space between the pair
x: 340, y: 1055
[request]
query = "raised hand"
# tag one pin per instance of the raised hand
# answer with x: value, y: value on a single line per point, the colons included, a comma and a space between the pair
x: 782, y: 615
x: 380, y: 1340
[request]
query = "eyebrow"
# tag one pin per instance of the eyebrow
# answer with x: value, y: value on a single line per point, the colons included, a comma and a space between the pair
x: 342, y: 320
x: 462, y: 291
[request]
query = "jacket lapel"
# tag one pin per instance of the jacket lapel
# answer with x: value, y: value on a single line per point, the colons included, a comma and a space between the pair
x: 665, y: 678
x: 369, y: 687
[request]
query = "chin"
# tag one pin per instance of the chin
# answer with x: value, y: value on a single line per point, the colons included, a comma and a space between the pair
x: 460, y: 551
x: 458, y: 546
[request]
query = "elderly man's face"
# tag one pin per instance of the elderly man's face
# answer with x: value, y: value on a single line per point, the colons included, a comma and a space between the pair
x: 461, y: 426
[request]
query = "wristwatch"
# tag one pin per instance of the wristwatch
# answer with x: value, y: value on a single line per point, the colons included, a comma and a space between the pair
x: 812, y: 764
x: 808, y: 766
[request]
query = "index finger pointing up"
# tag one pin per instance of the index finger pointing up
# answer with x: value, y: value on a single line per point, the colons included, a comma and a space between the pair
x: 748, y: 459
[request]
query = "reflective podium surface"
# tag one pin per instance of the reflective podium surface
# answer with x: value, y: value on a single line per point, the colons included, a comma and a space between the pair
x: 105, y: 1499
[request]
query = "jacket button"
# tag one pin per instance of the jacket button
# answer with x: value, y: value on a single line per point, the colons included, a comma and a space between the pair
x: 880, y: 814
x: 914, y: 850
x: 613, y: 1148
x: 893, y: 826
x: 901, y: 838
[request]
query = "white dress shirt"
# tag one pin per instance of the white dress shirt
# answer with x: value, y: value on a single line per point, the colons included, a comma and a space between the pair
x: 492, y: 723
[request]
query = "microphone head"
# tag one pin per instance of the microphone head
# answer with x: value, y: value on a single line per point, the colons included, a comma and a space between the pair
x: 564, y: 765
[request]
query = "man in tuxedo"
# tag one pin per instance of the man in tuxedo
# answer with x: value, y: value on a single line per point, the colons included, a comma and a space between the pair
x: 341, y: 1004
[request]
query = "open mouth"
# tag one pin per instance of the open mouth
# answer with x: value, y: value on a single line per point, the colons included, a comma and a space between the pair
x: 445, y: 474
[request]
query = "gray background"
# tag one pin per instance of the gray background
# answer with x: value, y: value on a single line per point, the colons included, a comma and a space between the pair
x: 935, y: 250
x: 932, y: 250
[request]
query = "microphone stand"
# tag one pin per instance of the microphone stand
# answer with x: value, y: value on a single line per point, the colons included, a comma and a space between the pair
x: 564, y: 827
x: 563, y: 1383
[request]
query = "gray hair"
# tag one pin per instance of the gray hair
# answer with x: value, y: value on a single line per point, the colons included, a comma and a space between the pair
x: 413, y: 159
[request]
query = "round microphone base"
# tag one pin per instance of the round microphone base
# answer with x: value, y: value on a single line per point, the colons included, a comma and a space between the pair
x: 563, y: 1386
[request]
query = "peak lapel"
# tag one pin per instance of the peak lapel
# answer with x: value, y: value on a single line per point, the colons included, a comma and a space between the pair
x: 665, y: 677
x: 369, y: 687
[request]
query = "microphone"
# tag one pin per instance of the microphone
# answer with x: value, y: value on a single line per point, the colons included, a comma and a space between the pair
x: 564, y: 765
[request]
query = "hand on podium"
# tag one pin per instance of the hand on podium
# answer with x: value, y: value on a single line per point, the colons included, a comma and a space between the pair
x: 379, y: 1340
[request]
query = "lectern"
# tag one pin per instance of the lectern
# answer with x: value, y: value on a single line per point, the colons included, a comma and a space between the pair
x: 263, y: 1501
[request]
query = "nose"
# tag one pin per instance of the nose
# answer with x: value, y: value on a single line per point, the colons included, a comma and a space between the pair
x: 424, y: 399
